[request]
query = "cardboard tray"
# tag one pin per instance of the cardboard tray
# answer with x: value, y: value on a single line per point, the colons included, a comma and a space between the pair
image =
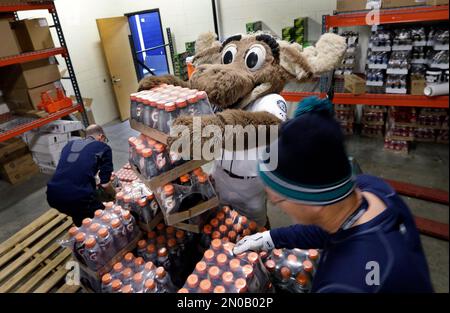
x: 155, y: 221
x: 149, y: 132
x: 175, y: 218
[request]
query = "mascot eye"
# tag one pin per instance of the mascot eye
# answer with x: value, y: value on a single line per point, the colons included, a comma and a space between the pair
x: 229, y: 54
x: 255, y: 57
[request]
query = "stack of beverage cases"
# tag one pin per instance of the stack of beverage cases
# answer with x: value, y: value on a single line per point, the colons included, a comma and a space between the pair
x: 128, y: 248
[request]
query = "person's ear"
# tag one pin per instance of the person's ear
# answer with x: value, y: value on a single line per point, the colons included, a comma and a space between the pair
x: 302, y: 63
x: 207, y: 49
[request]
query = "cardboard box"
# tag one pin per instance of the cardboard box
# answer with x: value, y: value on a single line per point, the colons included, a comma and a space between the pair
x: 33, y: 138
x: 9, y: 45
x: 19, y: 169
x: 88, y: 106
x: 11, y: 149
x: 401, y: 3
x: 29, y: 98
x: 54, y: 148
x: 418, y: 86
x: 33, y: 34
x: 47, y: 169
x: 437, y: 2
x: 61, y: 126
x: 354, y: 84
x: 47, y: 159
x: 29, y: 75
x: 350, y: 5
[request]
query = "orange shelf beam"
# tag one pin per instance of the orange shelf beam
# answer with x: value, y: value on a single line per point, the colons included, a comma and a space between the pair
x: 14, y: 7
x: 31, y: 56
x: 390, y: 16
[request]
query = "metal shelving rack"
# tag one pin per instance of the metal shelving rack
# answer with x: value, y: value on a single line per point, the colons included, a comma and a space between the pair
x: 387, y: 16
x: 13, y: 8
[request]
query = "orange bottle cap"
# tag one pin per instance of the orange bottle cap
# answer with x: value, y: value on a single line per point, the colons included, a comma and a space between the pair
x: 146, y: 153
x: 277, y: 253
x: 253, y: 257
x: 149, y: 266
x: 201, y: 95
x: 192, y: 281
x: 209, y: 255
x: 185, y: 178
x: 226, y: 239
x: 285, y: 272
x: 248, y: 270
x: 169, y: 189
x: 118, y: 267
x: 115, y: 223
x: 86, y: 222
x: 223, y: 229
x: 227, y: 278
x: 160, y: 272
x: 90, y: 243
x: 128, y: 272
x: 220, y: 216
x: 292, y: 258
x: 301, y: 279
x: 216, y: 244
x: 161, y: 240
x: 94, y: 227
x: 241, y: 285
x: 139, y: 261
x: 159, y: 147
x: 222, y: 259
x: 214, y: 222
x: 216, y: 235
x: 151, y: 234
x: 207, y: 229
x: 219, y: 289
x: 103, y: 232
x: 307, y: 266
x: 170, y: 106
x: 232, y: 235
x: 116, y: 284
x: 205, y: 285
x: 270, y: 265
x: 106, y: 279
x: 183, y: 290
x: 235, y: 265
x: 162, y: 252
x: 202, y: 178
x: 98, y: 213
x: 198, y: 171
x: 237, y: 228
x: 313, y: 254
x: 138, y: 277
x: 127, y: 289
x: 181, y: 103
x: 201, y: 267
x: 129, y: 257
x: 171, y: 243
x: 150, y: 284
x: 229, y: 222
x: 151, y: 248
x: 179, y: 234
x: 214, y: 272
x: 73, y: 231
x: 160, y: 227
x: 170, y: 230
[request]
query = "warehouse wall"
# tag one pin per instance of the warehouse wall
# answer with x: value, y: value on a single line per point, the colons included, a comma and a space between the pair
x: 274, y: 14
x: 186, y: 18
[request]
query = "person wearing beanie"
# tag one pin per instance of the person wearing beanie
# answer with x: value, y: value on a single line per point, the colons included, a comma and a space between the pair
x: 366, y: 232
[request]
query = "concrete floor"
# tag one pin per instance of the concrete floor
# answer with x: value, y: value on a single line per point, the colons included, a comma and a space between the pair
x: 427, y: 165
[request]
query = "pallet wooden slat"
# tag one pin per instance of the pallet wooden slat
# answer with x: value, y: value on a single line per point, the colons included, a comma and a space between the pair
x: 68, y: 288
x: 25, y: 232
x: 59, y: 274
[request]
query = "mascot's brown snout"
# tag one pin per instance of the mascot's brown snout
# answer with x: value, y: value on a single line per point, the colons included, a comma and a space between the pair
x: 225, y: 84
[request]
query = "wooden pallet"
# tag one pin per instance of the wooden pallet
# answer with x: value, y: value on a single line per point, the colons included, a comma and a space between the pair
x: 33, y: 261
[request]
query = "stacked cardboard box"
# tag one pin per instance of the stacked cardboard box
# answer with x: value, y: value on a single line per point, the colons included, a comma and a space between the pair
x: 47, y: 143
x: 432, y: 126
x: 16, y: 162
x: 345, y: 114
x: 400, y: 128
x: 297, y: 33
x: 9, y: 45
x: 373, y: 121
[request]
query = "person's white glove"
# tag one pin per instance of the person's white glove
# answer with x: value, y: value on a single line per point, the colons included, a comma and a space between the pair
x: 256, y: 242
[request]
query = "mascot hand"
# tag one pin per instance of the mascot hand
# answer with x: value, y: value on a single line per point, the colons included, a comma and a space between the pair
x: 150, y: 82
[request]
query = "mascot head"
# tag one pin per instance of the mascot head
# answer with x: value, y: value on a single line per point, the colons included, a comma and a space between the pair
x: 246, y: 67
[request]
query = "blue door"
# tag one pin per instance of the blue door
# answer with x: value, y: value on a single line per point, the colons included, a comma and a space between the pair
x: 147, y: 41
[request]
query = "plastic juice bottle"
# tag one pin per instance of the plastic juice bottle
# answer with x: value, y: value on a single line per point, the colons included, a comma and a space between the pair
x: 147, y: 111
x: 302, y: 283
x: 180, y: 237
x: 91, y: 254
x: 119, y: 233
x: 205, y: 286
x: 93, y: 229
x: 160, y: 241
x: 128, y: 260
x: 229, y: 223
x: 172, y: 114
x: 138, y: 282
x: 216, y: 245
x: 73, y: 231
x: 285, y: 276
x: 160, y: 228
x: 163, y: 258
x: 205, y: 240
x: 152, y: 204
x: 163, y: 115
x: 150, y: 286
x: 227, y: 279
x: 155, y: 112
x: 149, y: 270
x: 214, y: 275
x: 232, y: 236
x: 193, y: 108
x: 127, y: 276
x: 170, y: 232
x: 85, y: 224
x: 79, y: 246
x: 192, y: 282
x: 106, y: 283
x: 133, y: 105
x: 127, y: 289
x: 106, y: 243
x: 161, y: 159
x: 235, y: 265
x: 139, y: 264
x: 182, y: 106
x: 116, y: 286
x: 200, y: 268
x: 169, y: 201
x: 209, y: 256
x: 130, y: 225
x: 150, y: 254
x: 163, y: 279
x: 145, y: 214
x: 214, y: 224
x: 149, y: 167
x: 117, y: 270
x: 240, y: 285
x: 137, y: 160
x: 223, y: 230
x: 141, y: 247
x: 205, y: 187
x: 119, y: 198
x: 313, y: 255
x: 203, y: 103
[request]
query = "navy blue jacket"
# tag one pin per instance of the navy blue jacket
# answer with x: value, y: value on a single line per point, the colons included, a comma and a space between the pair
x: 74, y: 178
x: 390, y: 239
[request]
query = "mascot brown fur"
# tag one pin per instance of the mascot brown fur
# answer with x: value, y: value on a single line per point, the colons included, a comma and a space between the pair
x: 243, y: 77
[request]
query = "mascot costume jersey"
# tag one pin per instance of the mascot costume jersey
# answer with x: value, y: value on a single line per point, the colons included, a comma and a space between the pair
x: 243, y: 77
